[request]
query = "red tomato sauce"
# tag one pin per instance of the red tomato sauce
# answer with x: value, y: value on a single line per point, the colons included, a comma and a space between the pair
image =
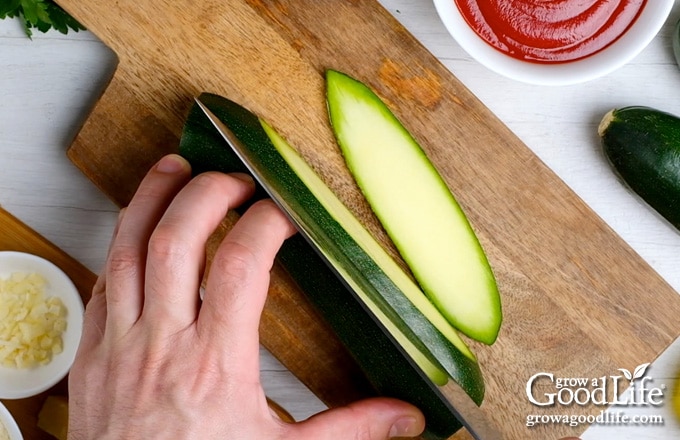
x: 550, y: 31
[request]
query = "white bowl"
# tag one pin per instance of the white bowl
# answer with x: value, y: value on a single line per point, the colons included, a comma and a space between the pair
x: 8, y: 422
x: 10, y: 425
x: 20, y: 383
x: 624, y: 49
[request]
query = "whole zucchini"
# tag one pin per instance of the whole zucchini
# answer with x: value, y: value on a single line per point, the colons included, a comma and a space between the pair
x: 643, y: 146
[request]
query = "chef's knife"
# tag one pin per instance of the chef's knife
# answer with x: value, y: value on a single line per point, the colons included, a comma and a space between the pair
x: 465, y: 409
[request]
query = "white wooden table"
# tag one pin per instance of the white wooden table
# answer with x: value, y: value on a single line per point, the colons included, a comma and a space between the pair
x: 49, y: 84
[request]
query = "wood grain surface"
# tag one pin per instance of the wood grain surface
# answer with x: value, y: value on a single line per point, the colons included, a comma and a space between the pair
x: 577, y: 300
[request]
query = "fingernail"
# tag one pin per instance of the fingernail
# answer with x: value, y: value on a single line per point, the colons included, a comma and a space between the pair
x: 404, y: 427
x: 171, y: 164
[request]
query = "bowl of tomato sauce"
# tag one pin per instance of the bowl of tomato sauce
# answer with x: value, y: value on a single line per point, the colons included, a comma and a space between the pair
x: 557, y: 42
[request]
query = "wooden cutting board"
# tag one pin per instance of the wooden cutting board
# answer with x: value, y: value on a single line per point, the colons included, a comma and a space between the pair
x: 16, y: 236
x: 578, y: 302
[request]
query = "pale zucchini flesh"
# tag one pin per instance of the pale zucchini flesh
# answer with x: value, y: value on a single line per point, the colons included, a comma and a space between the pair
x: 367, y: 242
x: 416, y: 208
x: 448, y: 361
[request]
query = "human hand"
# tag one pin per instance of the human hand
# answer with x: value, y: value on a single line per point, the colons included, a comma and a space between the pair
x: 156, y: 362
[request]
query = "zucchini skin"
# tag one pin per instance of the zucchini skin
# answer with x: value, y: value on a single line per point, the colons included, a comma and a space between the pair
x: 386, y: 368
x: 642, y: 144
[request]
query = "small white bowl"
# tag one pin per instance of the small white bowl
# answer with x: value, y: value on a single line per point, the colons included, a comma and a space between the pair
x: 10, y: 425
x: 624, y: 49
x: 20, y: 383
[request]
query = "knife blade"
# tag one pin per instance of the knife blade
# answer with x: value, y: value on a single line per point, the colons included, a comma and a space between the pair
x: 465, y: 409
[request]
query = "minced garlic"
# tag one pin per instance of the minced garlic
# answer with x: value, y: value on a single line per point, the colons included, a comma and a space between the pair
x: 31, y: 324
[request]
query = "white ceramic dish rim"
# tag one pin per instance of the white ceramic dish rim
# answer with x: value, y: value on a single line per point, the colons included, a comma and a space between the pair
x: 623, y: 50
x: 21, y: 383
x: 9, y: 423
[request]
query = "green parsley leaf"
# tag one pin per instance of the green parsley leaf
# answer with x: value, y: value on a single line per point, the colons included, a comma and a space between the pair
x: 8, y: 9
x: 61, y: 21
x: 35, y: 11
x: 39, y: 14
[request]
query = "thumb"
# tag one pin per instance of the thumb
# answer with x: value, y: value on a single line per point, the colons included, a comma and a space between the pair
x: 370, y: 419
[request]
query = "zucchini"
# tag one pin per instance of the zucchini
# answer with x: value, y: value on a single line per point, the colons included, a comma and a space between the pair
x: 376, y: 262
x: 642, y: 145
x: 379, y: 346
x: 416, y: 208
